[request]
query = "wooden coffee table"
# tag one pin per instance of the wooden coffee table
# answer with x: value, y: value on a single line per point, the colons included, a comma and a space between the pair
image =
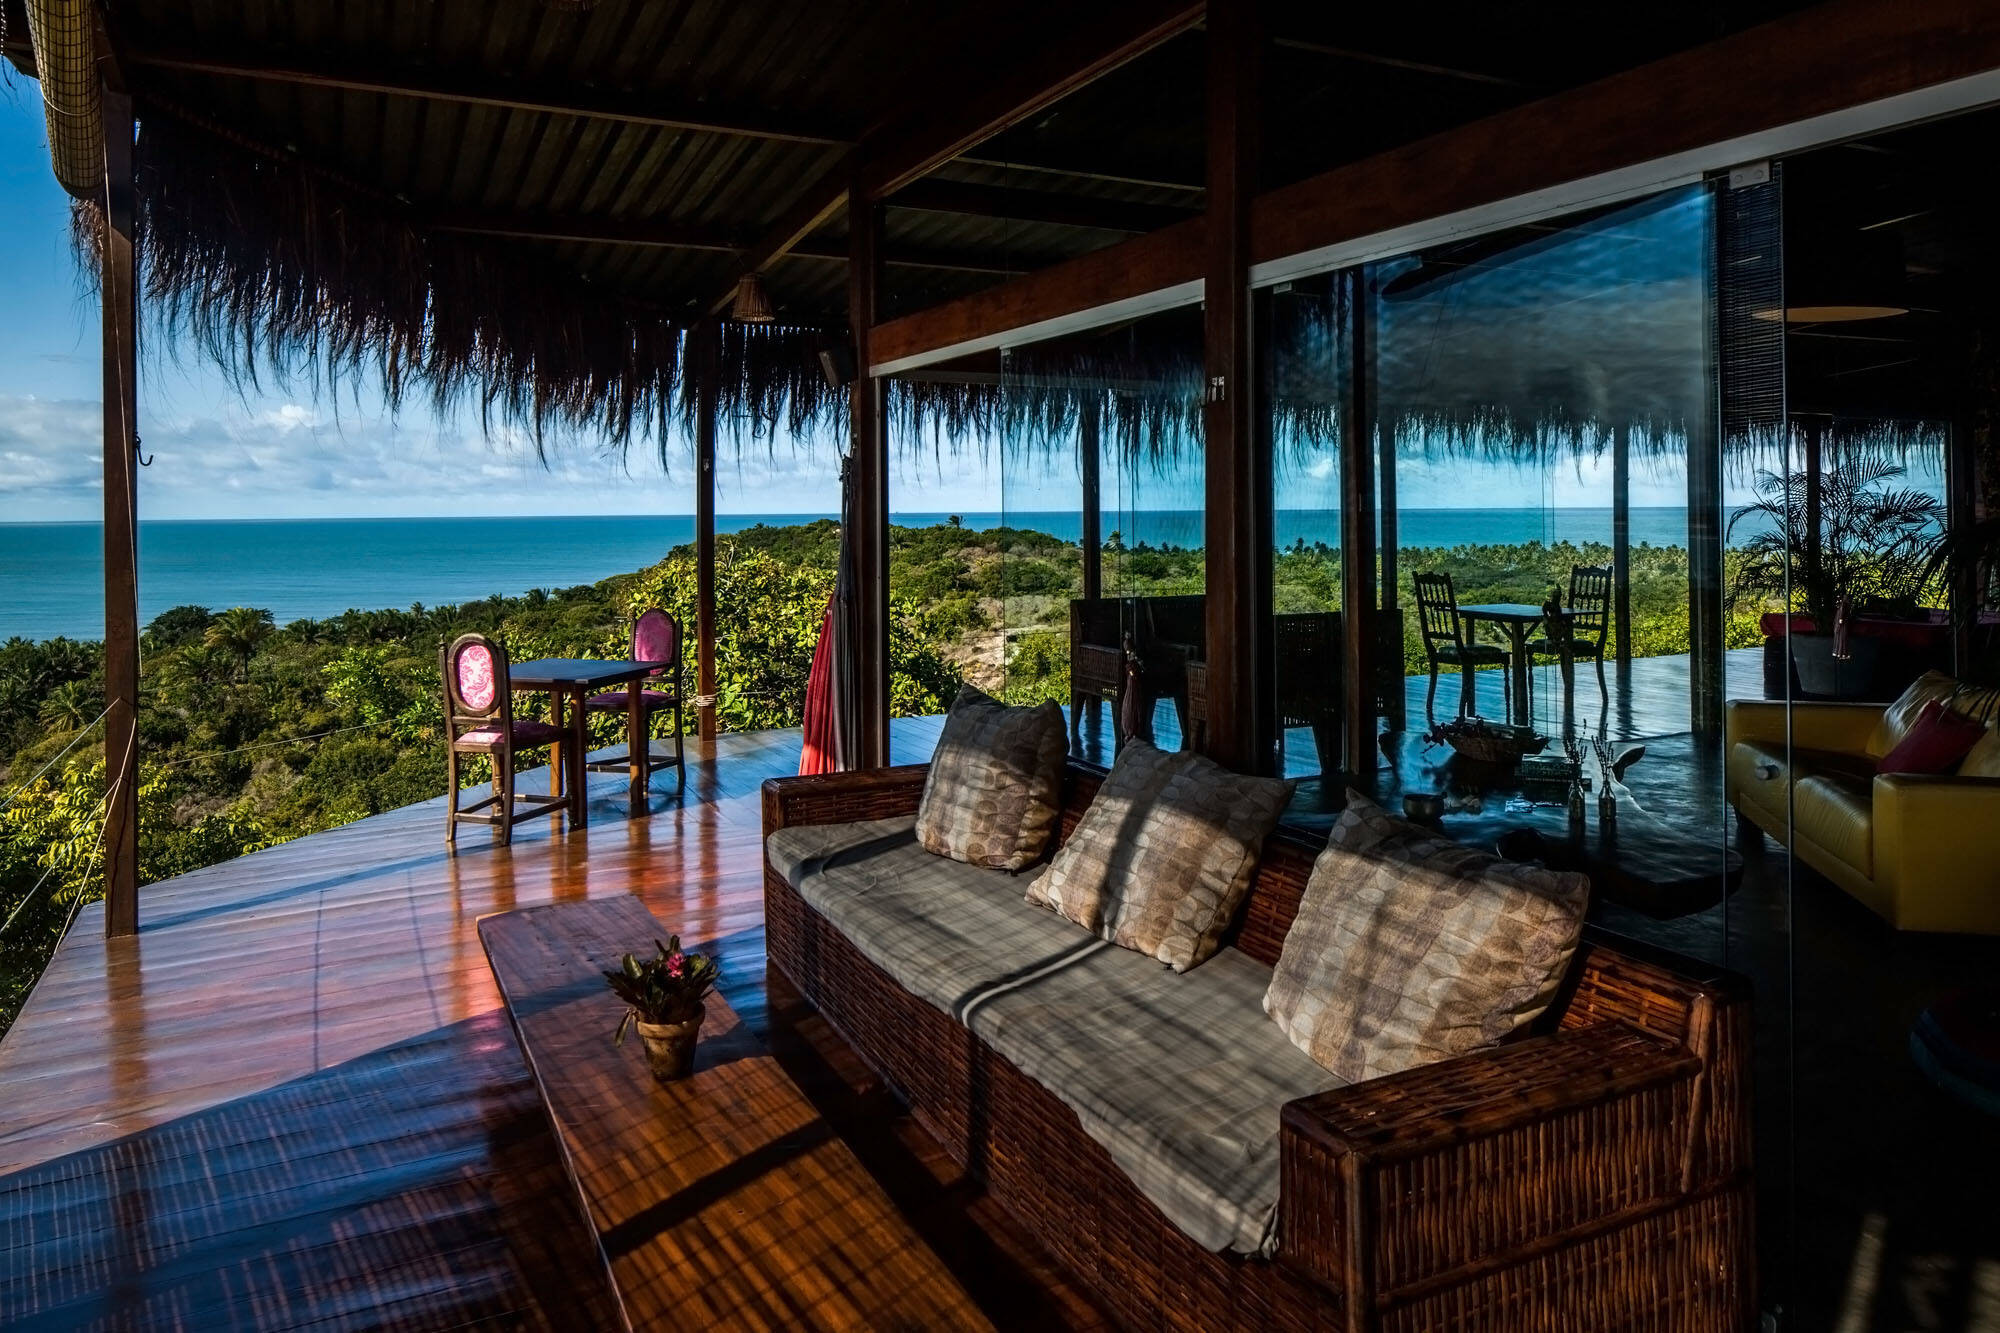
x: 724, y: 1200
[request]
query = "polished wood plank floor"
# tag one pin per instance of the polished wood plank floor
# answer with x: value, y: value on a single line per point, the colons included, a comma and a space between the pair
x: 293, y: 1101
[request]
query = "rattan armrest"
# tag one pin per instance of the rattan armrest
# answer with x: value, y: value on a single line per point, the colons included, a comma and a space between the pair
x: 1401, y: 1184
x: 843, y: 798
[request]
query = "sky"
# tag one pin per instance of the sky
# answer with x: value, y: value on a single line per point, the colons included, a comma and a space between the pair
x: 282, y: 451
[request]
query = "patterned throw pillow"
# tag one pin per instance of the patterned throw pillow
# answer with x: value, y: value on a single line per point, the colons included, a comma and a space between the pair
x: 994, y: 793
x: 1161, y: 860
x: 1410, y: 948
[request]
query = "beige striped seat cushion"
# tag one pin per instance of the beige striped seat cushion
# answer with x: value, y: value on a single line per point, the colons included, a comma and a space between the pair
x: 994, y: 794
x: 1163, y: 857
x: 1410, y: 948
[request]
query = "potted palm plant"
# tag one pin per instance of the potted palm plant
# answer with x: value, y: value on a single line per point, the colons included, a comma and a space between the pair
x: 663, y: 999
x: 1875, y: 546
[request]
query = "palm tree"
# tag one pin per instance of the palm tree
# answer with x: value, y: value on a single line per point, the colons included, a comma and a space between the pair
x: 70, y: 706
x: 1875, y: 541
x: 240, y: 631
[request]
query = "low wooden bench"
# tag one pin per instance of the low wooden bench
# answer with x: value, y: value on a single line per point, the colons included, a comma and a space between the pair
x: 722, y: 1200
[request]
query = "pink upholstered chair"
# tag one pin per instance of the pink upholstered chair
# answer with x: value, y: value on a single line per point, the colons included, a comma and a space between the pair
x: 479, y: 719
x: 656, y: 638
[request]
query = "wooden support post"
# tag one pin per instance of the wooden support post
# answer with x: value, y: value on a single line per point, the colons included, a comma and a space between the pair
x: 1621, y: 550
x: 708, y: 338
x: 1090, y: 452
x: 1395, y: 703
x: 1815, y: 485
x: 1357, y: 535
x: 1238, y: 477
x: 121, y: 573
x: 1706, y: 682
x: 870, y: 464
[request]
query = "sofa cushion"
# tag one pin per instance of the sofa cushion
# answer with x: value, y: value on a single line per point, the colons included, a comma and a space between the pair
x: 1983, y: 760
x: 942, y: 929
x: 1161, y: 860
x: 1897, y: 719
x: 1759, y: 771
x: 1181, y: 1078
x: 1836, y: 811
x: 994, y: 792
x: 1417, y: 950
x: 1937, y: 742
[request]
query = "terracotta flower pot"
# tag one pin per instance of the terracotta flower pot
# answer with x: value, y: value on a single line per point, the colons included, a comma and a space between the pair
x: 670, y: 1047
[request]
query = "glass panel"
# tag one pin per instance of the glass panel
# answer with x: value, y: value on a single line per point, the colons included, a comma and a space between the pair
x: 1307, y: 384
x: 1102, y: 486
x: 1888, y: 905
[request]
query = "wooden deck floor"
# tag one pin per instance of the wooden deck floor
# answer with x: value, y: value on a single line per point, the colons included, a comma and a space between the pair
x: 292, y: 1101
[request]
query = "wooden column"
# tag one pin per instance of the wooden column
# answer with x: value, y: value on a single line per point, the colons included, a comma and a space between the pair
x: 1706, y: 682
x: 1621, y: 548
x: 1238, y: 476
x: 1357, y: 534
x: 1395, y: 703
x: 707, y: 367
x: 121, y: 572
x: 1090, y: 452
x: 870, y: 471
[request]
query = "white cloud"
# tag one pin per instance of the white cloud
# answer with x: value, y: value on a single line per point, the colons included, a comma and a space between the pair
x: 225, y: 457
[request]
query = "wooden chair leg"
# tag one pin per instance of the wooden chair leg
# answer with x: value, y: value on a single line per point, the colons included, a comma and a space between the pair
x: 1603, y: 691
x: 680, y: 753
x: 1468, y: 690
x: 1430, y: 700
x: 450, y: 795
x: 503, y: 792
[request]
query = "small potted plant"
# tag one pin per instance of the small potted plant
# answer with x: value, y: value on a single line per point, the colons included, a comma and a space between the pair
x: 663, y: 999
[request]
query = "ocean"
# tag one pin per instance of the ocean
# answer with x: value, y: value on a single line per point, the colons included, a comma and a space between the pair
x: 51, y: 574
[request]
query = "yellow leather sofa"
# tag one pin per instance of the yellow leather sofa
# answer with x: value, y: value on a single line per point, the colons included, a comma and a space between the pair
x: 1922, y: 851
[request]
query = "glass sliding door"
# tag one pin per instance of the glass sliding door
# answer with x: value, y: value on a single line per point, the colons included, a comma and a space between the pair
x: 1102, y: 497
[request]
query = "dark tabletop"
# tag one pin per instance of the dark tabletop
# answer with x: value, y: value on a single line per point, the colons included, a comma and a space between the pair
x: 547, y: 673
x: 1502, y: 611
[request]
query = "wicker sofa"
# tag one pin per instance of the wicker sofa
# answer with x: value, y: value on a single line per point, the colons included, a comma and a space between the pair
x: 1593, y: 1175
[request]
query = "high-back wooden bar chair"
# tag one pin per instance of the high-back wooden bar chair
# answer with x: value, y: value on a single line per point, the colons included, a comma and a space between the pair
x: 1447, y: 644
x: 479, y: 719
x: 656, y: 639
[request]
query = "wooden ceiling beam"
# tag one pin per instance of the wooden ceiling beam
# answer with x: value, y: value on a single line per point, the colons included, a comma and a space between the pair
x: 944, y: 121
x: 481, y: 88
x: 1738, y: 90
x: 940, y: 120
x: 934, y: 195
x: 675, y: 236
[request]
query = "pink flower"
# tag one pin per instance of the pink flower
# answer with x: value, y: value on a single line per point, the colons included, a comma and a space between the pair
x: 676, y: 965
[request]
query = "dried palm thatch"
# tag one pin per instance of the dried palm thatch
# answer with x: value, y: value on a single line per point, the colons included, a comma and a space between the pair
x: 269, y: 265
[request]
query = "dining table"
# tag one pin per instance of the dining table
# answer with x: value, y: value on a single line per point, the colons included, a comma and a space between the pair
x: 569, y: 681
x: 1517, y: 620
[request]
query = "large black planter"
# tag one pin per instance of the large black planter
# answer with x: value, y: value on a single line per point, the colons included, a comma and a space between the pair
x: 1824, y: 676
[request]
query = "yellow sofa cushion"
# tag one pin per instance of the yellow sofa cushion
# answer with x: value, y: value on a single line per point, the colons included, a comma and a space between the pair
x: 1900, y: 716
x: 1984, y: 759
x: 1836, y: 811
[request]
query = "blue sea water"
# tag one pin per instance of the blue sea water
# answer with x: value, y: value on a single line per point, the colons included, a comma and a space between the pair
x: 51, y: 574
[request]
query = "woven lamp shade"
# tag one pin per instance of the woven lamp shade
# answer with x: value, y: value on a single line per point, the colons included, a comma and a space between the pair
x: 752, y: 304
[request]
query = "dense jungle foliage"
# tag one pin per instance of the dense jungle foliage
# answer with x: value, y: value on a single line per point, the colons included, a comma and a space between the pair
x: 252, y: 733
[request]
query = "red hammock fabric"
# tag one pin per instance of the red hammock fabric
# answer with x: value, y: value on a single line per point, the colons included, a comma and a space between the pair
x: 817, y: 754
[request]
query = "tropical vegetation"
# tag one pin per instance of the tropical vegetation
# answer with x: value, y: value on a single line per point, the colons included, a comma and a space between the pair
x: 252, y: 733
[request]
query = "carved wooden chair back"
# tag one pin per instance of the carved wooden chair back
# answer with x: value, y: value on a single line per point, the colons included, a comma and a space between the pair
x: 1589, y: 603
x: 656, y: 637
x: 476, y: 689
x: 1437, y: 612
